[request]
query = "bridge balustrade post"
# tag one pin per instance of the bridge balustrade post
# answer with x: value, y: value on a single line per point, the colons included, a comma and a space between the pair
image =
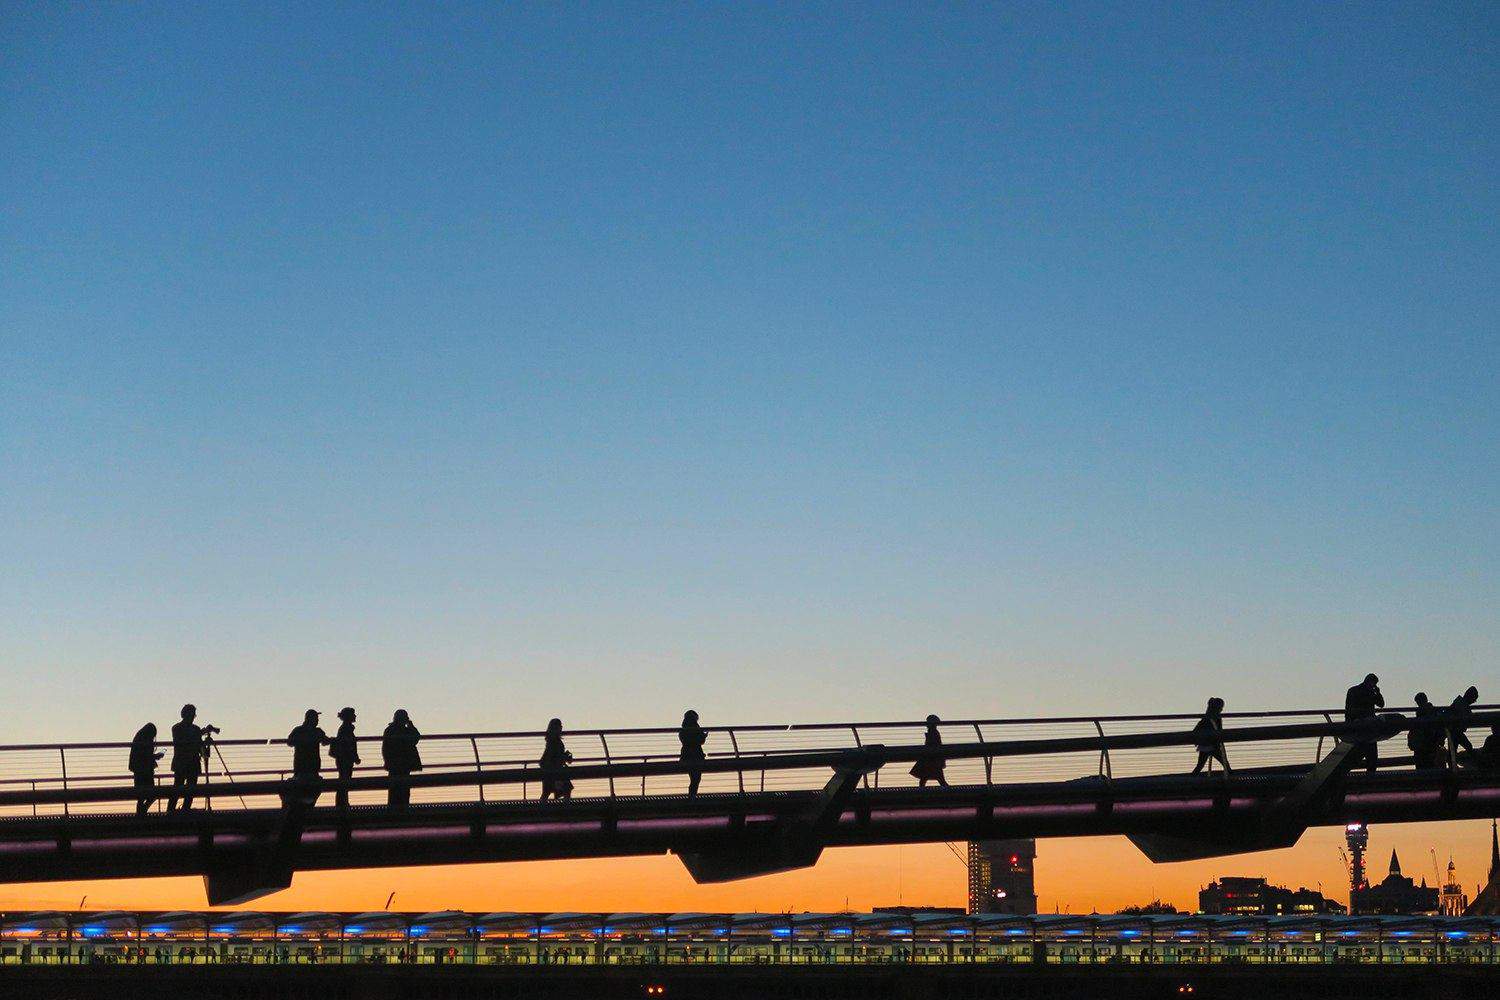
x: 610, y: 764
x: 989, y: 762
x: 1328, y: 719
x: 859, y: 744
x: 1105, y: 769
x: 739, y: 772
x: 478, y: 770
x: 63, y: 754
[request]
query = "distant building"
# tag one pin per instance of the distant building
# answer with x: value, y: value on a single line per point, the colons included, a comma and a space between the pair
x: 1256, y: 897
x: 1487, y: 901
x: 912, y: 911
x: 1002, y: 876
x: 1397, y: 894
x: 1452, y: 900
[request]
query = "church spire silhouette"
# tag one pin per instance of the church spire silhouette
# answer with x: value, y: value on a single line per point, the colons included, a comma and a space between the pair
x: 1494, y: 850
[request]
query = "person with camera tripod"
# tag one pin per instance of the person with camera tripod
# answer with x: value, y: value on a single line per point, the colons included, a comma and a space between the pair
x: 190, y: 749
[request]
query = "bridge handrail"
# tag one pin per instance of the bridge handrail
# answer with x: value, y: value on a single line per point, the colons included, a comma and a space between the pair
x: 870, y: 754
x: 793, y: 727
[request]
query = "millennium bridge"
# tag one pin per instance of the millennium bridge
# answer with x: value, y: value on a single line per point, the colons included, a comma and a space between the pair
x: 773, y: 797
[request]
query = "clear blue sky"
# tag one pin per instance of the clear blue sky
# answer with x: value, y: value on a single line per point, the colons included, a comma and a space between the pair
x: 789, y: 362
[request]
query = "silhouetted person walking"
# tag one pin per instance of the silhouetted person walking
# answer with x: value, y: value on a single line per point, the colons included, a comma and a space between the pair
x: 1360, y: 702
x: 345, y: 753
x: 930, y: 766
x: 554, y: 764
x: 143, y: 758
x: 1458, y: 714
x: 692, y: 737
x: 1210, y: 734
x: 398, y: 751
x: 189, y: 754
x: 1425, y: 738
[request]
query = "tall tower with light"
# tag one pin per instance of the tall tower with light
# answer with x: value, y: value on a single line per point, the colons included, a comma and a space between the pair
x: 1358, y: 836
x: 1002, y: 876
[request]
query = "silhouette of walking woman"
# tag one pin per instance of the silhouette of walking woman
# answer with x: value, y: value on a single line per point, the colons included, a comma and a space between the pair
x: 143, y: 758
x: 692, y: 737
x: 398, y: 751
x: 1210, y: 733
x: 554, y: 764
x: 930, y: 766
x: 345, y: 753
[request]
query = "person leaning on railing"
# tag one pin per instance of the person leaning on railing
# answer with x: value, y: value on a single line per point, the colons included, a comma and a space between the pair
x: 398, y: 750
x: 1360, y: 702
x: 1489, y: 753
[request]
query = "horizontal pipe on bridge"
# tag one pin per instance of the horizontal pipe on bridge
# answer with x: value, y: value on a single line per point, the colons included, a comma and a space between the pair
x: 869, y: 756
x: 790, y: 727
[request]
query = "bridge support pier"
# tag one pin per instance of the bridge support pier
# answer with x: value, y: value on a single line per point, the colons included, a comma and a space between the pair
x: 265, y: 870
x: 796, y: 842
x: 1280, y: 824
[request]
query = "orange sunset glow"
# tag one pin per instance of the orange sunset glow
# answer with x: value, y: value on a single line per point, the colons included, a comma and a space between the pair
x: 1079, y: 875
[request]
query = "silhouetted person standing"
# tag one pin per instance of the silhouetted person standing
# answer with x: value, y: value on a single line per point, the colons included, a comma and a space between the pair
x: 1458, y: 714
x: 398, y: 750
x: 143, y: 758
x: 307, y: 742
x: 1210, y: 734
x: 1360, y: 702
x: 189, y: 754
x: 692, y: 737
x: 554, y: 764
x: 930, y: 766
x: 345, y: 753
x: 1489, y: 752
x: 1425, y: 738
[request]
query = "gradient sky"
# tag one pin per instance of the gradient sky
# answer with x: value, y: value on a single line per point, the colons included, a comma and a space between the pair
x: 791, y: 362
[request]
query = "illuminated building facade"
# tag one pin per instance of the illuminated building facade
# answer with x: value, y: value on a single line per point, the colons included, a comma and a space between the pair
x: 1452, y: 900
x: 1242, y: 896
x: 1002, y: 876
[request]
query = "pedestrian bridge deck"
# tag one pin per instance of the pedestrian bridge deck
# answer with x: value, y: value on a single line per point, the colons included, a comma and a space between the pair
x: 768, y: 802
